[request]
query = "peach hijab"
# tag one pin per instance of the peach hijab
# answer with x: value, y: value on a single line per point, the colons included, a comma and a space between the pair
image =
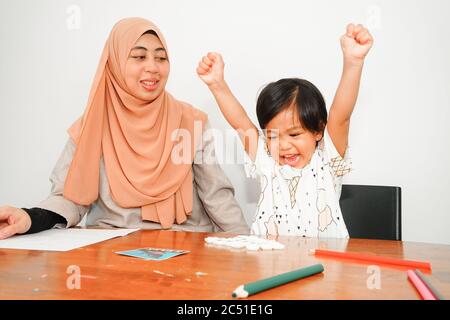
x: 134, y: 138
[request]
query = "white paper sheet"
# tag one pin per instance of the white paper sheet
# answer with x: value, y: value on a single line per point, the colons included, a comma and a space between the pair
x: 62, y: 239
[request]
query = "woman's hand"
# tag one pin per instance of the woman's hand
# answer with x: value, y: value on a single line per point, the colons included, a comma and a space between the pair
x: 211, y: 70
x: 13, y: 221
x: 356, y: 43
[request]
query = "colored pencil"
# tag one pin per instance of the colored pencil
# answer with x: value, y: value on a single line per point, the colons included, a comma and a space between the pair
x: 420, y: 286
x: 243, y: 291
x: 372, y: 258
x: 433, y: 290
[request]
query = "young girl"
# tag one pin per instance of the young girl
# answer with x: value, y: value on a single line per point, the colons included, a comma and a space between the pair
x: 300, y: 157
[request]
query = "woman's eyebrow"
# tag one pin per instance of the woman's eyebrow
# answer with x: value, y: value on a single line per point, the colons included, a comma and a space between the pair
x: 139, y: 48
x: 144, y: 48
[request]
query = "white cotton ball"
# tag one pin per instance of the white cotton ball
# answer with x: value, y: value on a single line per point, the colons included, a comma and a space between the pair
x: 278, y: 246
x: 259, y: 241
x: 251, y: 243
x: 209, y: 239
x: 267, y: 246
x: 215, y: 241
x: 219, y: 240
x: 236, y: 244
x: 252, y: 247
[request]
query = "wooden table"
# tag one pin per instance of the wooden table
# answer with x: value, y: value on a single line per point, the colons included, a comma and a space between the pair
x: 210, y: 272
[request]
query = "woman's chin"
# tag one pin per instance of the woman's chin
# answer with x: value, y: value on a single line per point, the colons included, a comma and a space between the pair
x: 148, y: 96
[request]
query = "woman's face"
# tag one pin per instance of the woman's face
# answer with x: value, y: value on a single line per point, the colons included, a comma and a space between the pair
x: 147, y: 68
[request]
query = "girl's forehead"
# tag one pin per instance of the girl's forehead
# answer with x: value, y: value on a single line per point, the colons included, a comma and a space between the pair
x: 285, y: 120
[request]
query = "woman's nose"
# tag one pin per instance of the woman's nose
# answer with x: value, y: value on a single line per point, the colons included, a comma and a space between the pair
x: 151, y: 66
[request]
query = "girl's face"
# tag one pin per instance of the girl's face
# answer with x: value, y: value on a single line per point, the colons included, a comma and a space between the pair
x: 147, y: 68
x: 288, y: 142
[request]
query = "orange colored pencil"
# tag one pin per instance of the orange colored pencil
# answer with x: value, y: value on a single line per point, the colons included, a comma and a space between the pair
x: 372, y: 258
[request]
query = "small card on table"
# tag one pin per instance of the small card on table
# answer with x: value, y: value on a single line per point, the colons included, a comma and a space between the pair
x: 152, y: 253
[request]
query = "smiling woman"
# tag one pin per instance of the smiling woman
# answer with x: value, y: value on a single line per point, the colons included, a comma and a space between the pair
x: 117, y: 165
x: 147, y: 68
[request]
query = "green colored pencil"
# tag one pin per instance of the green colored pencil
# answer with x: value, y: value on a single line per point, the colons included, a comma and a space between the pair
x: 427, y: 283
x: 245, y: 290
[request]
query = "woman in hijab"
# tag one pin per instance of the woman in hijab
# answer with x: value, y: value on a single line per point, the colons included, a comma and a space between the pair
x: 120, y: 163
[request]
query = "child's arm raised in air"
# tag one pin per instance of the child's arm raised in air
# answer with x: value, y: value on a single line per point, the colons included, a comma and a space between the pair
x: 211, y: 70
x: 355, y: 44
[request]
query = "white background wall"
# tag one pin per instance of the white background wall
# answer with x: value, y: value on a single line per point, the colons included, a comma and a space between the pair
x: 399, y: 134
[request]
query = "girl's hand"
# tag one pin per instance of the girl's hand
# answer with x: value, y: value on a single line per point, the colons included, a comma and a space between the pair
x: 12, y: 221
x: 356, y: 43
x: 211, y: 69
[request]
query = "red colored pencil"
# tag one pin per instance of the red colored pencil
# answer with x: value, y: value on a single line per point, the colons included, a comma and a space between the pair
x: 421, y: 288
x: 373, y: 258
x: 427, y: 283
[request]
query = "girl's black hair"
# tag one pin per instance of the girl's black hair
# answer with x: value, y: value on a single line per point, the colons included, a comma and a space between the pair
x: 279, y: 95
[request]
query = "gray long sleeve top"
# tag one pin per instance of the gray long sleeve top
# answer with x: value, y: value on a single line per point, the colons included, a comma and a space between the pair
x: 214, y: 206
